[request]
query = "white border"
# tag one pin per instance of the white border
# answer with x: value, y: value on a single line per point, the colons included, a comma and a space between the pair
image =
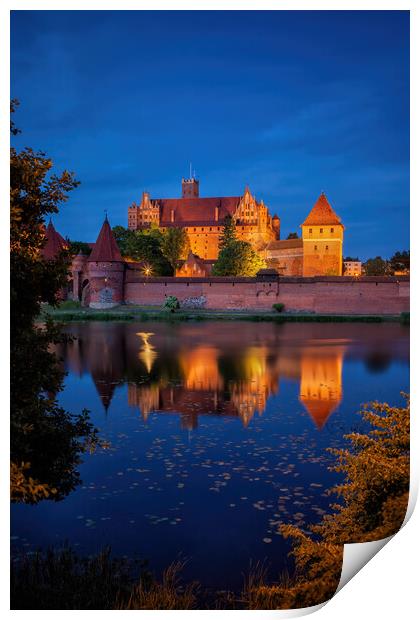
x: 396, y: 568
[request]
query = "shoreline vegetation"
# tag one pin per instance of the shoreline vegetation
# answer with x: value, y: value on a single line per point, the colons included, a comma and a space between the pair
x: 69, y: 311
x: 371, y: 504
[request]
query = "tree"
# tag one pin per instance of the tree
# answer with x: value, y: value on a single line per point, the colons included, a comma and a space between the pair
x: 351, y: 259
x: 228, y: 234
x: 238, y: 258
x: 175, y: 246
x: 400, y: 261
x: 46, y: 441
x: 292, y: 235
x: 144, y: 246
x: 79, y: 247
x: 375, y: 267
x: 374, y: 499
x: 122, y: 237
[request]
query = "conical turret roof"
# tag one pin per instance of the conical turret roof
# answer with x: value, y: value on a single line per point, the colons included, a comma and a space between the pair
x: 54, y: 243
x: 105, y: 248
x: 322, y: 213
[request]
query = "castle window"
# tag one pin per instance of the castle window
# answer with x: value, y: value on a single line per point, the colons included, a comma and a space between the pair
x: 202, y: 230
x: 195, y: 229
x: 310, y: 231
x: 326, y: 247
x: 331, y: 229
x: 321, y: 230
x: 315, y: 248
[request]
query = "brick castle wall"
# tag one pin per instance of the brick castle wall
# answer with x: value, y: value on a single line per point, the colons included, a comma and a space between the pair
x: 324, y: 295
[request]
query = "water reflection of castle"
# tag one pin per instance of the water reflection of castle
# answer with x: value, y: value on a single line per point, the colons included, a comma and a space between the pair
x: 174, y: 369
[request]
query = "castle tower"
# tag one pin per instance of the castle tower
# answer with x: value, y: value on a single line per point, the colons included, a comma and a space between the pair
x: 54, y: 243
x: 322, y: 236
x: 190, y: 188
x: 105, y: 271
x: 275, y: 222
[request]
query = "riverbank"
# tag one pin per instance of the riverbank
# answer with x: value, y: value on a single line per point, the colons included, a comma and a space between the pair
x: 69, y: 311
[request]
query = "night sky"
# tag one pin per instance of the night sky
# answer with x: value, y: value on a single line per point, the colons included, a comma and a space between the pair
x: 291, y: 103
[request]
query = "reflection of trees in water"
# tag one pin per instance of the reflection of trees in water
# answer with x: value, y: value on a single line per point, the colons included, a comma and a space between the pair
x: 377, y: 361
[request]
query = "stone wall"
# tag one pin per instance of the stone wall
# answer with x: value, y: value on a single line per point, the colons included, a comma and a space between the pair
x: 326, y: 295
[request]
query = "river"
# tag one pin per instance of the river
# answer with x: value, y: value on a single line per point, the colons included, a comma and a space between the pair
x: 218, y: 434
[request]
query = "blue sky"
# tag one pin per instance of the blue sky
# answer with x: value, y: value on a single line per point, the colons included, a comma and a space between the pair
x: 290, y: 102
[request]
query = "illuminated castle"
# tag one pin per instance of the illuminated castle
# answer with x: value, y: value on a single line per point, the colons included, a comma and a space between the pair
x: 203, y: 218
x: 317, y: 252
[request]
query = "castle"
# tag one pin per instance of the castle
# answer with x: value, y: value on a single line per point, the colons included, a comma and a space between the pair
x: 105, y: 279
x: 303, y: 274
x: 317, y: 252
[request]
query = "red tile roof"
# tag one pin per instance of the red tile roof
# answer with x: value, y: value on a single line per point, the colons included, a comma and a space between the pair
x: 54, y: 243
x: 285, y: 244
x: 105, y: 248
x: 322, y: 213
x: 190, y: 211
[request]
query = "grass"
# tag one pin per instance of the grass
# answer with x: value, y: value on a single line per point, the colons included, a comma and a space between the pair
x: 68, y: 312
x: 59, y: 579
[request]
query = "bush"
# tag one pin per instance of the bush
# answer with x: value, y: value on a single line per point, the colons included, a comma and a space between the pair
x: 69, y: 304
x: 278, y: 307
x: 171, y: 303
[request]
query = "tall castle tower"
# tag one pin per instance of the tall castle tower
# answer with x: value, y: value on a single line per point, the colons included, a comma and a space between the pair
x: 105, y: 271
x: 322, y: 236
x: 190, y: 188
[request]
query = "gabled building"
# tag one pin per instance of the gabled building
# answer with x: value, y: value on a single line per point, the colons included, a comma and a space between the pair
x: 322, y: 236
x: 203, y: 218
x: 319, y: 252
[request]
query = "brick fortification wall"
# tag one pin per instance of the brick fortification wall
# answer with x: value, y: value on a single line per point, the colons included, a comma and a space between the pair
x: 324, y: 295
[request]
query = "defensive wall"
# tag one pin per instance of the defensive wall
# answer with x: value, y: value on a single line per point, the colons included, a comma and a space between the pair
x: 326, y: 294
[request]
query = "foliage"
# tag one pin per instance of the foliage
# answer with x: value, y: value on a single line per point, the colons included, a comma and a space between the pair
x: 59, y: 579
x: 238, y: 258
x: 171, y: 303
x: 373, y: 502
x: 70, y: 304
x: 400, y: 261
x: 377, y: 476
x: 144, y: 246
x: 278, y: 307
x: 351, y: 259
x: 169, y: 594
x: 293, y: 235
x: 122, y: 237
x: 376, y: 267
x: 79, y: 247
x: 46, y: 441
x: 175, y: 246
x: 318, y: 570
x: 228, y: 234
